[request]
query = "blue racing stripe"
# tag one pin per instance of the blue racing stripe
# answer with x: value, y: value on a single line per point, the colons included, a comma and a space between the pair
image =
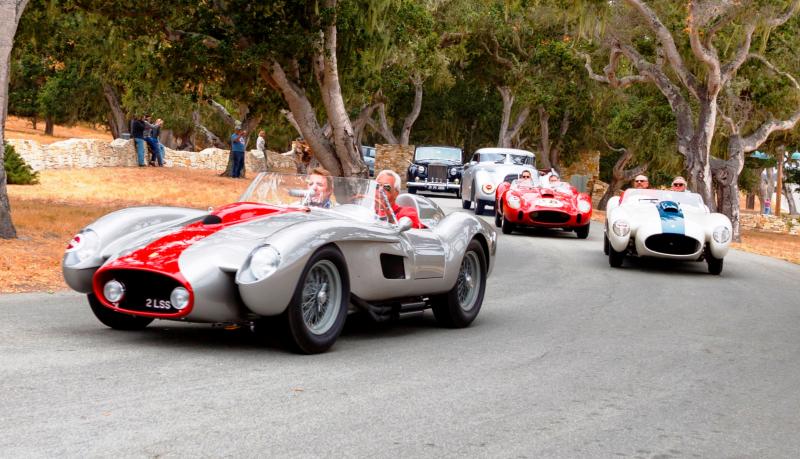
x: 672, y: 220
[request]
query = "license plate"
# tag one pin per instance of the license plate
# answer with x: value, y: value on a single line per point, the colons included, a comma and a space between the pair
x: 157, y: 304
x: 438, y: 187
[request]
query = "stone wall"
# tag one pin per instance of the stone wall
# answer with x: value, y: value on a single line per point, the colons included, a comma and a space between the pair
x: 769, y: 223
x: 394, y: 157
x: 88, y: 153
x: 587, y: 164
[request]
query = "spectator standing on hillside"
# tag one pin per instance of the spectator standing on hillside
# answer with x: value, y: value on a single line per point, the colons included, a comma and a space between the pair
x: 137, y: 132
x: 261, y: 146
x: 156, y: 148
x: 238, y: 140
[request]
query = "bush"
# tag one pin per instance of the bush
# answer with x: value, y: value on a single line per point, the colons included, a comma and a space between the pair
x: 18, y: 172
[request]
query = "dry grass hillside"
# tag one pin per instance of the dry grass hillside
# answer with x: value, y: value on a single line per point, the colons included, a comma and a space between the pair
x: 21, y: 128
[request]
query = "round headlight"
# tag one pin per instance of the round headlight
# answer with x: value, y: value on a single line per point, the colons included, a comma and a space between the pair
x: 621, y: 228
x: 264, y: 261
x: 453, y: 170
x: 584, y: 206
x: 722, y: 234
x: 179, y: 298
x: 83, y: 246
x: 113, y: 291
x: 513, y: 201
x: 421, y: 169
x: 488, y: 188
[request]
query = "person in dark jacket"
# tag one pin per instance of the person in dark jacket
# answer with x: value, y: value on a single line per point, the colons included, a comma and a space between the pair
x: 137, y: 132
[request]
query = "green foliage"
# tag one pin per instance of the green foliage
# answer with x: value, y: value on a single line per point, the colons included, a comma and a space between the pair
x: 18, y: 172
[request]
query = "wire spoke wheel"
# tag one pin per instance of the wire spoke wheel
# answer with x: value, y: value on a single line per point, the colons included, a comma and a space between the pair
x: 469, y: 277
x: 461, y: 305
x: 321, y: 297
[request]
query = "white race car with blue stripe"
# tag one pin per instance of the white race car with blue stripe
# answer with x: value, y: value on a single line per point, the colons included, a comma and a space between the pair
x: 665, y: 224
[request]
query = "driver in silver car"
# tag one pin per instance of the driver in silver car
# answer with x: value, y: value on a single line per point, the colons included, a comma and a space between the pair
x: 320, y: 188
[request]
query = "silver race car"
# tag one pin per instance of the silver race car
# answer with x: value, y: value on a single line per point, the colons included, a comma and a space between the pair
x: 487, y: 170
x: 287, y: 258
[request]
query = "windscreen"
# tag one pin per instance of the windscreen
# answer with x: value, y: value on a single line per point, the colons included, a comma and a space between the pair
x: 438, y: 153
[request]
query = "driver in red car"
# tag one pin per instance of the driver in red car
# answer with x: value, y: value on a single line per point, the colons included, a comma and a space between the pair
x: 389, y: 181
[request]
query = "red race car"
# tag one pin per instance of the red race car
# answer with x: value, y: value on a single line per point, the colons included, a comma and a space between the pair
x: 527, y: 203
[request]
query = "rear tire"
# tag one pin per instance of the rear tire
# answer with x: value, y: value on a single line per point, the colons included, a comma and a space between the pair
x: 582, y: 232
x: 460, y: 306
x: 114, y: 319
x: 507, y: 226
x: 318, y: 309
x: 714, y: 264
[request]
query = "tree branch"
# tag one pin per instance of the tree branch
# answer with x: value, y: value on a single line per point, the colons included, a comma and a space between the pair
x: 496, y: 53
x: 780, y: 20
x: 222, y: 111
x: 668, y: 43
x: 774, y: 69
x: 754, y: 140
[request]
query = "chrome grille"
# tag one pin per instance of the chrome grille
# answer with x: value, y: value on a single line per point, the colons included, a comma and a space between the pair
x: 437, y: 173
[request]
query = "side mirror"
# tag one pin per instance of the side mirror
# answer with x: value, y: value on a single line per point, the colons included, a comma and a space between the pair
x: 404, y: 224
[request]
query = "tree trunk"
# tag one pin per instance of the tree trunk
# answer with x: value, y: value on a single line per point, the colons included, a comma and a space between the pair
x: 725, y: 174
x: 544, y: 131
x: 620, y: 176
x: 416, y: 107
x: 697, y: 158
x: 10, y: 13
x: 49, y: 126
x: 508, y: 131
x: 117, y: 121
x: 303, y: 114
x: 168, y: 139
x: 750, y: 202
x: 326, y: 72
x: 787, y: 191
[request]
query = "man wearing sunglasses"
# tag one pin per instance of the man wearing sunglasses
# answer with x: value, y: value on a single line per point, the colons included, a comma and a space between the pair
x: 641, y: 182
x: 389, y: 182
x: 678, y: 184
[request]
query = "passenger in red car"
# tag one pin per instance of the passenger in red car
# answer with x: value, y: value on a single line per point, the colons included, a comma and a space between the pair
x: 389, y: 182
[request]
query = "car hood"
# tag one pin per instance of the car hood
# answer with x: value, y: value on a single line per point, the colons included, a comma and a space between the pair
x: 549, y: 198
x: 238, y: 225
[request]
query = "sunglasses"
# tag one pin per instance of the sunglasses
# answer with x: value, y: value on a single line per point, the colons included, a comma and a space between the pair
x: 640, y: 181
x: 387, y: 187
x: 678, y: 184
x: 526, y: 176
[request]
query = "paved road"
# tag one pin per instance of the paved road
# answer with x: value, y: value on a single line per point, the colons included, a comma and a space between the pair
x: 568, y: 358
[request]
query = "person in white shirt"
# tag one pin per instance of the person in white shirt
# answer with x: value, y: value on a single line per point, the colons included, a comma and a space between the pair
x: 261, y: 146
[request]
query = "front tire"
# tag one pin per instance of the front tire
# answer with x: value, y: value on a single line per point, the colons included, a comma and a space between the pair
x: 411, y: 190
x: 615, y: 258
x: 480, y: 207
x: 498, y: 217
x: 714, y: 264
x: 582, y: 232
x: 460, y: 306
x: 318, y: 309
x: 605, y: 244
x: 507, y: 226
x: 114, y: 319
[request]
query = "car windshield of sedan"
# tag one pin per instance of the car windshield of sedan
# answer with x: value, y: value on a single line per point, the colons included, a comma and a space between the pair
x: 645, y: 196
x: 440, y: 153
x: 356, y: 197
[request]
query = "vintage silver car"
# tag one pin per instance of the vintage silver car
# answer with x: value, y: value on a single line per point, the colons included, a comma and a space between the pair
x: 286, y: 257
x: 487, y: 170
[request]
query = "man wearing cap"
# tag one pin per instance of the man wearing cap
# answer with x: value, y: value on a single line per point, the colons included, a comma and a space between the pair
x: 678, y: 184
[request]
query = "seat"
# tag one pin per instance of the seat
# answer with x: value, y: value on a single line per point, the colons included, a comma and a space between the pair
x: 429, y: 214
